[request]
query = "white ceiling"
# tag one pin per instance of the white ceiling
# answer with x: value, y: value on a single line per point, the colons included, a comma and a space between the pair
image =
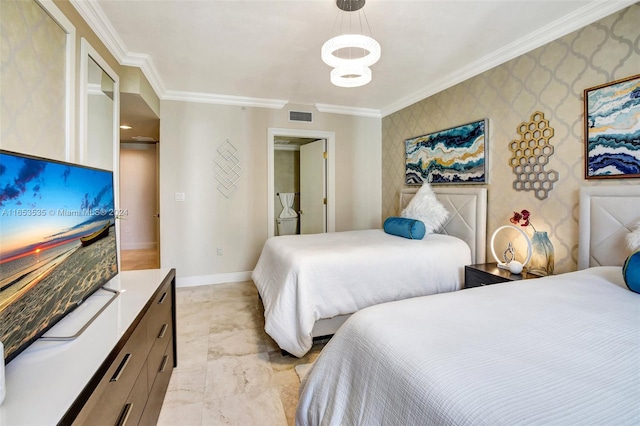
x: 267, y: 52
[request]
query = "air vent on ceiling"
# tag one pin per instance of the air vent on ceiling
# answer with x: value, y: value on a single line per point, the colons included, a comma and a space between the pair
x: 307, y: 117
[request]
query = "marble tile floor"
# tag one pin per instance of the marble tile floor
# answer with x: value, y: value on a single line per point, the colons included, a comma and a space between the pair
x: 230, y: 372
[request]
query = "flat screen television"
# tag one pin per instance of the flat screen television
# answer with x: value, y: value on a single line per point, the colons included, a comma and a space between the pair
x: 57, y: 243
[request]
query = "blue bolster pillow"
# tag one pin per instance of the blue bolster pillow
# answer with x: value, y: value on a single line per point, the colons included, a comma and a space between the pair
x: 404, y: 227
x: 631, y: 272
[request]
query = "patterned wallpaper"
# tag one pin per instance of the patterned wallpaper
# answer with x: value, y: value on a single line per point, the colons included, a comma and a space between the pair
x: 550, y: 79
x: 32, y: 80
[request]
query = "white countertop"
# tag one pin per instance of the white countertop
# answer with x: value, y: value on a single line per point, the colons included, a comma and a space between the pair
x: 45, y: 379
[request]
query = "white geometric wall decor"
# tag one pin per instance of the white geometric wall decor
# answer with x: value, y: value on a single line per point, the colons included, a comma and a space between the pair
x: 227, y: 169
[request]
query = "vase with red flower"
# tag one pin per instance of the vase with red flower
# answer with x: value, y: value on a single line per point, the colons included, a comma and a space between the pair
x: 542, y: 254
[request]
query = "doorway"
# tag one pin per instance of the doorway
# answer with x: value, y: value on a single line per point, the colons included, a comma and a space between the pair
x: 139, y: 201
x: 309, y: 138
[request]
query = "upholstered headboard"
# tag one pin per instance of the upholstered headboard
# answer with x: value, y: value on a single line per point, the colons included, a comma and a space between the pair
x: 607, y: 214
x: 468, y: 219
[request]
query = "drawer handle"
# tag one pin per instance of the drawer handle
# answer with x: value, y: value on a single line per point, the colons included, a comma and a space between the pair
x: 121, y: 368
x: 162, y: 331
x: 161, y: 301
x: 164, y: 363
x: 125, y: 414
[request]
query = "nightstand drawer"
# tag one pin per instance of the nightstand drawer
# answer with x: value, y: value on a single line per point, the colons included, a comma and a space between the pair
x: 488, y: 273
x: 477, y: 279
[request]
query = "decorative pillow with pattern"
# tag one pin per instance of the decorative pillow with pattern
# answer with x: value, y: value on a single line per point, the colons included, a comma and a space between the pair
x: 426, y: 207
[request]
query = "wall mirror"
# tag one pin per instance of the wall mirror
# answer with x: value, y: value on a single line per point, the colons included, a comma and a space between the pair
x: 100, y: 106
x: 99, y: 144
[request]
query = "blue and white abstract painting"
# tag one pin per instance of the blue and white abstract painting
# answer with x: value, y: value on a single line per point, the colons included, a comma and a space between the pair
x: 613, y: 130
x: 447, y: 156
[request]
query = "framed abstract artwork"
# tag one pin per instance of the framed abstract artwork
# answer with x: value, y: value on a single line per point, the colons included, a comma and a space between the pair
x: 612, y: 129
x: 456, y: 155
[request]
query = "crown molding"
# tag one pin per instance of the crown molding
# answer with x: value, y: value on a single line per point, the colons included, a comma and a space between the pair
x: 145, y: 63
x: 338, y: 109
x: 559, y: 28
x: 95, y: 17
x: 210, y: 98
x: 92, y: 13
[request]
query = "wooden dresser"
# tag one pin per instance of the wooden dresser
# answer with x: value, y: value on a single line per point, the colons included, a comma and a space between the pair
x: 118, y: 369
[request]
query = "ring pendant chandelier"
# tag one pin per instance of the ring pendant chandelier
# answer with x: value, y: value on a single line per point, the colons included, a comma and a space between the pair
x: 351, y: 54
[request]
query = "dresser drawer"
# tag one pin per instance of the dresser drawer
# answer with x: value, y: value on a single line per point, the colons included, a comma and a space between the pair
x: 163, y: 338
x: 133, y: 407
x: 156, y: 396
x: 105, y: 405
x: 159, y: 310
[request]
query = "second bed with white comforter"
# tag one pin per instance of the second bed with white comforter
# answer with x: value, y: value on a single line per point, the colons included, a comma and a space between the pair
x: 305, y: 278
x: 561, y: 350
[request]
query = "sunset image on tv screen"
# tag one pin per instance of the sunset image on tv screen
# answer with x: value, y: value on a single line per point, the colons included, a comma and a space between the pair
x: 58, y: 242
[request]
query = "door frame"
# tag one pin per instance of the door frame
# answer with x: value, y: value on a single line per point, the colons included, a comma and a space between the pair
x: 272, y: 133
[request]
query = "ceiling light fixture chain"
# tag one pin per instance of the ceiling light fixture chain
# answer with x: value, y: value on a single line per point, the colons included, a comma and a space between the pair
x: 351, y: 69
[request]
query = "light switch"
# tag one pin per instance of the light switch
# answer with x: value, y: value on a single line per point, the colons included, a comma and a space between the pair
x: 179, y: 196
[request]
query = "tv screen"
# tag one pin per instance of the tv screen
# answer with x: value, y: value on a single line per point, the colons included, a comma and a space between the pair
x: 57, y: 243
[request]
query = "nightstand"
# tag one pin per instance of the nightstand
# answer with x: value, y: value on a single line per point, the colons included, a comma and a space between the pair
x: 489, y: 273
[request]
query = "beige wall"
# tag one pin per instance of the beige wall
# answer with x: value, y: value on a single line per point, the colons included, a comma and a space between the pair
x: 550, y: 79
x: 138, y: 197
x: 192, y: 230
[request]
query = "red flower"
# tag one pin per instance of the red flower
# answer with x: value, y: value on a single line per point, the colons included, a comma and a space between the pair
x: 523, y: 216
x: 516, y: 218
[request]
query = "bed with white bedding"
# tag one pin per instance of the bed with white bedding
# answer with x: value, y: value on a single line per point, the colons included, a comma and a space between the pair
x: 559, y: 350
x: 309, y: 284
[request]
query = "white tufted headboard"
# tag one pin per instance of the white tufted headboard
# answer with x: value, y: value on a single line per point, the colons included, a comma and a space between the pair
x: 468, y: 219
x: 607, y: 214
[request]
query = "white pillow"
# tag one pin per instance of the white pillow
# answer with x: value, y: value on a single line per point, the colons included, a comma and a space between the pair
x: 633, y: 239
x: 425, y: 207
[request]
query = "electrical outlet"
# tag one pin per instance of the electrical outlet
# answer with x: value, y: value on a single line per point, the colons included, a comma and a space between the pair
x: 219, y: 251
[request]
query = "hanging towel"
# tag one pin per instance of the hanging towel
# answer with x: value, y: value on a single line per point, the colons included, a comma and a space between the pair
x: 286, y: 199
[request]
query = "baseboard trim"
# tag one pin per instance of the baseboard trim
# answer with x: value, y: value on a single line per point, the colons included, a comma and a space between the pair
x: 198, y: 280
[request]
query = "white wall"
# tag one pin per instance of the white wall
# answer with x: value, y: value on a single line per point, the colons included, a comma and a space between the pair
x: 192, y: 230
